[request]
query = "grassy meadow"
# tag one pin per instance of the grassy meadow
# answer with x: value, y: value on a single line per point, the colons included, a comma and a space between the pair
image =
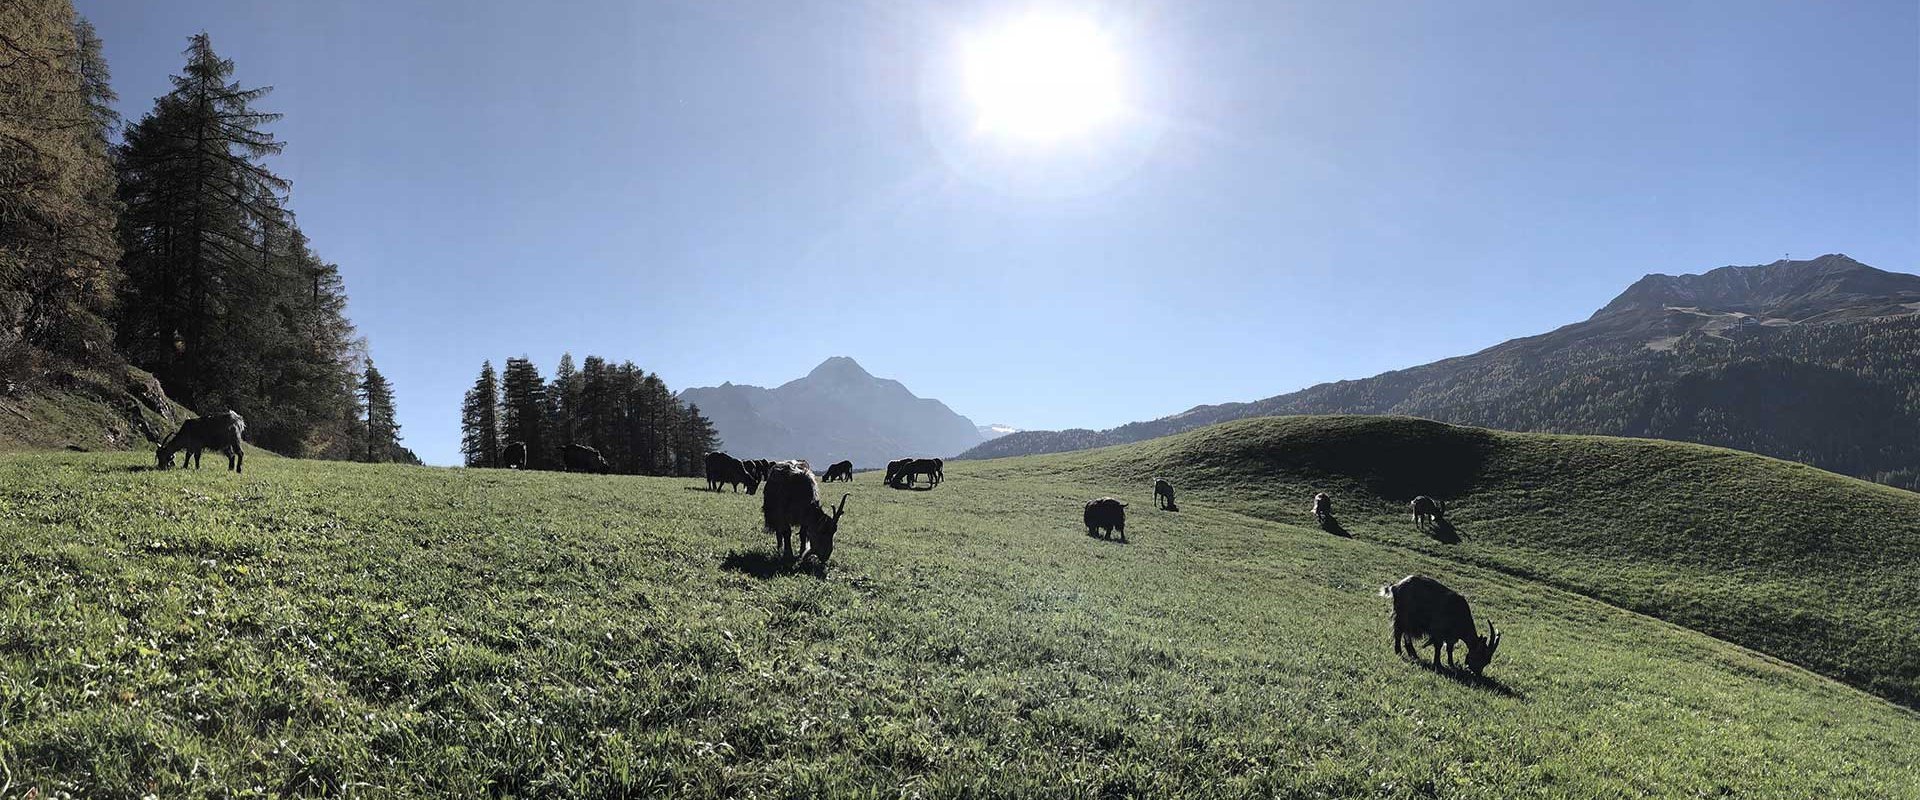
x: 341, y: 629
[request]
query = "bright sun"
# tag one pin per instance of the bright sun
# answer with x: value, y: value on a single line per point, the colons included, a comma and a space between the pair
x: 1043, y: 78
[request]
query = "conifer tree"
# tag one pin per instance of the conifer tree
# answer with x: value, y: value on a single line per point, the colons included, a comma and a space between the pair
x: 480, y: 420
x: 197, y: 201
x: 382, y: 431
x: 523, y: 411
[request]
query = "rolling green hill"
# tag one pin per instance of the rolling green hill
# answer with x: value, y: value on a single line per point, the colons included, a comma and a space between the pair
x: 334, y: 628
x: 1781, y: 557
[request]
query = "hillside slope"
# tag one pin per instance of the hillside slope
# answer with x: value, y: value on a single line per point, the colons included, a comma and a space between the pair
x: 327, y: 628
x: 837, y: 411
x: 122, y: 409
x: 1814, y: 361
x: 1806, y: 565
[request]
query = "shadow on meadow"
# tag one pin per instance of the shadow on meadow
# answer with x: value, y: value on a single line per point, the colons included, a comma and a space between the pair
x: 1467, y: 678
x: 1444, y: 532
x: 766, y: 565
x: 1333, y: 526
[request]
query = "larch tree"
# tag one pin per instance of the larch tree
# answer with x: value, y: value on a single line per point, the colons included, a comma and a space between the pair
x: 58, y: 210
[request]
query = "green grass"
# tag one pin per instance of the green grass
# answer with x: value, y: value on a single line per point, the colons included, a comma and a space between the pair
x: 334, y: 628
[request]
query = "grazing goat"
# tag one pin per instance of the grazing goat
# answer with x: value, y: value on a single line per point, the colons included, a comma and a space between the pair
x: 723, y: 469
x: 792, y: 500
x: 1424, y: 608
x: 933, y: 468
x: 581, y: 458
x: 757, y: 467
x: 1108, y: 515
x: 840, y: 471
x: 1322, y: 507
x: 220, y: 432
x: 1427, y: 511
x: 515, y: 456
x: 1163, y: 491
x: 897, y: 470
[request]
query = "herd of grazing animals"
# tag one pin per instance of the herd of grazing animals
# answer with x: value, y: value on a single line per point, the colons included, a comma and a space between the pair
x: 1423, y: 608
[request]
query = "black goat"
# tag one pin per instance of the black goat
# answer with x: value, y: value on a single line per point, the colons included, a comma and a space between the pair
x: 221, y: 431
x: 1425, y: 608
x: 1107, y: 515
x: 723, y: 469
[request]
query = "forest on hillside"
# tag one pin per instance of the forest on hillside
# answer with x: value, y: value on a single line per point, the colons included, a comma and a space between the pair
x: 169, y: 245
x: 620, y: 410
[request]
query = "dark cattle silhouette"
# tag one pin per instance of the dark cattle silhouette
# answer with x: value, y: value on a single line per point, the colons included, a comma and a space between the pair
x: 840, y: 471
x: 1163, y: 494
x: 933, y: 468
x: 723, y: 469
x: 1425, y: 608
x: 581, y: 458
x: 515, y: 455
x: 1427, y: 511
x: 791, y: 499
x: 1106, y: 515
x: 221, y: 431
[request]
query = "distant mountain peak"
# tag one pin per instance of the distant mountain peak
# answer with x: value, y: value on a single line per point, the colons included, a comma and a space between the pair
x: 836, y: 411
x: 1787, y: 289
x: 840, y: 368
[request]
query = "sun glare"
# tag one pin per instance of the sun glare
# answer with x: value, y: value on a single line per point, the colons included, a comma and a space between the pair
x: 1043, y: 78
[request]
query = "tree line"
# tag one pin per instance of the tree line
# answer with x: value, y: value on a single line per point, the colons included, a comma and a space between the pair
x: 174, y: 250
x: 627, y: 414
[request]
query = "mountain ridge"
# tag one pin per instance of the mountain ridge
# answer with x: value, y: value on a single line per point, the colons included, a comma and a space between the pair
x: 1831, y: 339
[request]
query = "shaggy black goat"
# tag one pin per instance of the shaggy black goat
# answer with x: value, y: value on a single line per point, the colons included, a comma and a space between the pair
x: 1424, y: 608
x: 1107, y: 515
x: 840, y: 471
x: 221, y: 431
x: 792, y: 500
x: 723, y: 469
x: 515, y: 455
x: 581, y: 458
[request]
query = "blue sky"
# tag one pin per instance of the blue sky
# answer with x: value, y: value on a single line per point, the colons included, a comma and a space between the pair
x: 1298, y: 192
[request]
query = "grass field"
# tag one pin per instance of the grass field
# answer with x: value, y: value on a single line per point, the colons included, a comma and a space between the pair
x: 333, y: 628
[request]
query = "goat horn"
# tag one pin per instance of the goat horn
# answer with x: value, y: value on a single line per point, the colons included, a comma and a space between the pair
x: 842, y: 508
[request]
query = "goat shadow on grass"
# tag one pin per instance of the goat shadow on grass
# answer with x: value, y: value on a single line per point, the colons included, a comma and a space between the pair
x: 1108, y: 538
x: 1444, y: 532
x: 765, y: 565
x: 1333, y: 526
x: 905, y: 488
x: 1467, y: 678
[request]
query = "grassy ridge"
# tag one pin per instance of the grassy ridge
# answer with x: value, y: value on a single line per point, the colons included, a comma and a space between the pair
x: 1781, y: 557
x: 331, y: 628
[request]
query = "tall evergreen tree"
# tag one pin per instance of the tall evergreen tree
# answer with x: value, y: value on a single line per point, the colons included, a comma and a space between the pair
x: 198, y: 206
x: 58, y: 253
x: 382, y: 430
x: 523, y: 411
x: 697, y: 438
x: 480, y: 420
x: 562, y: 408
